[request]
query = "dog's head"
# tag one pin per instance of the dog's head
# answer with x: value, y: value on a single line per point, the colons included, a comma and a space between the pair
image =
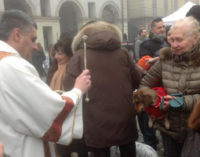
x: 144, y: 97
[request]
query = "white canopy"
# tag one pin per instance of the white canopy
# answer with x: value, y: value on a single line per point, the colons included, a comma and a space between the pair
x: 179, y: 14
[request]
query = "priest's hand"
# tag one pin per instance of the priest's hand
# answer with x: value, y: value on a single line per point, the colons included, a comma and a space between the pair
x: 83, y: 81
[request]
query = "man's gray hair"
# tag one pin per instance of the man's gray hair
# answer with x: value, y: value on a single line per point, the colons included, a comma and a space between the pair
x: 12, y: 19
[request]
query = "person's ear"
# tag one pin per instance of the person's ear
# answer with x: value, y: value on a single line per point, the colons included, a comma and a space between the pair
x: 17, y: 34
x: 195, y: 40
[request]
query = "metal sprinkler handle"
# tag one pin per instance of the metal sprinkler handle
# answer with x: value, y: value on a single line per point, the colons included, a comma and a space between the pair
x: 85, y: 37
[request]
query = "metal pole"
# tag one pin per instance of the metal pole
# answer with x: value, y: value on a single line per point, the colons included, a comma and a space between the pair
x: 85, y: 37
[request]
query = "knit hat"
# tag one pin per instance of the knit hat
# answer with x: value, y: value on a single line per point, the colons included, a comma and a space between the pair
x: 143, y: 62
x: 195, y: 12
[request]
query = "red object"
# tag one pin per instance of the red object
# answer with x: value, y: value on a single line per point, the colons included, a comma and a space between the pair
x: 155, y: 110
x: 143, y: 62
x: 55, y: 131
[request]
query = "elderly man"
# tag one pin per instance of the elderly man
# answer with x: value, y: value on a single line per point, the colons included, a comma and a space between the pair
x: 31, y: 114
x: 179, y: 71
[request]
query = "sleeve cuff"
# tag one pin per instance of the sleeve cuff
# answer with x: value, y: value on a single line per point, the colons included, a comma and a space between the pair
x: 77, y: 91
x: 75, y: 94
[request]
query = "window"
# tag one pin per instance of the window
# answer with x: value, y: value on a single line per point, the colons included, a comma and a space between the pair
x: 91, y: 9
x: 47, y: 33
x: 175, y: 4
x: 165, y: 8
x: 154, y: 8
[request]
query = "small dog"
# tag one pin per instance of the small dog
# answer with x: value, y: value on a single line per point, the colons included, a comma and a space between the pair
x: 151, y: 101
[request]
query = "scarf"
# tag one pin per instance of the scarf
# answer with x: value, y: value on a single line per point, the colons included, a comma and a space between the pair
x: 56, y: 82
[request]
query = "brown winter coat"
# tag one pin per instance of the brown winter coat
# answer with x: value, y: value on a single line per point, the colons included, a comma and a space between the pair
x: 178, y: 74
x: 109, y: 116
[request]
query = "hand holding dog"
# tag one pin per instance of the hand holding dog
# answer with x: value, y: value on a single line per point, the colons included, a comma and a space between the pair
x: 166, y: 103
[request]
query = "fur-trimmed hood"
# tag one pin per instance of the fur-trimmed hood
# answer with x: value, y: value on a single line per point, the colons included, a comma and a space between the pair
x: 101, y: 35
x: 192, y: 57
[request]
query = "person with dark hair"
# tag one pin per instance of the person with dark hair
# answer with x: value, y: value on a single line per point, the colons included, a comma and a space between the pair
x: 38, y: 59
x: 139, y: 39
x: 56, y: 74
x: 157, y: 40
x: 32, y: 115
x: 63, y: 53
x: 128, y: 45
x: 195, y: 12
x: 50, y: 55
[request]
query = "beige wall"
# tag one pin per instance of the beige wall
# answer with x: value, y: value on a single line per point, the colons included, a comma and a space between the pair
x: 170, y: 6
x: 47, y: 22
x: 142, y: 12
x: 160, y: 9
x: 143, y: 8
x: 148, y: 8
x: 1, y: 5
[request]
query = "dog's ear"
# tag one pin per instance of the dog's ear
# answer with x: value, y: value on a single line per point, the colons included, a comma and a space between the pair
x: 136, y: 94
x: 147, y: 91
x: 138, y: 98
x: 139, y: 108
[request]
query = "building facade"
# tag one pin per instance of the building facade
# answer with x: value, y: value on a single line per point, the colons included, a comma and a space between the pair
x: 54, y: 17
x: 142, y: 12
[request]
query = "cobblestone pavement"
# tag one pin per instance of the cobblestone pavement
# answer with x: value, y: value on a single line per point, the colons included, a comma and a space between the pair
x: 115, y: 150
x: 160, y: 148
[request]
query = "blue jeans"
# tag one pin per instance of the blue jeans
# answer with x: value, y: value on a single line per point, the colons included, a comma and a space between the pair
x: 149, y: 134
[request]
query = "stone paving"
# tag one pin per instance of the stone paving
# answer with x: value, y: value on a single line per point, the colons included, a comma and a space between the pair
x: 160, y: 148
x: 115, y: 150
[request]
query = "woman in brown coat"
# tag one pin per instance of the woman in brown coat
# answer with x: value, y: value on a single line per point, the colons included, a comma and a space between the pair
x: 179, y: 71
x: 109, y: 116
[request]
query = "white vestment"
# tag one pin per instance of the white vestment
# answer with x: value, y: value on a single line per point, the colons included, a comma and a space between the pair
x: 30, y: 111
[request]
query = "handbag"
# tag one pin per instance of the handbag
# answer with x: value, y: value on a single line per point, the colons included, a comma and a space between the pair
x: 191, y: 146
x: 178, y: 101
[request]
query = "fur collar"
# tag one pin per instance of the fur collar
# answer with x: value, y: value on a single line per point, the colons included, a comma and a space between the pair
x: 95, y: 30
x: 192, y: 57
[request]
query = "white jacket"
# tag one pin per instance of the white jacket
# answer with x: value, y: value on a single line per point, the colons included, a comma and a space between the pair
x: 30, y: 111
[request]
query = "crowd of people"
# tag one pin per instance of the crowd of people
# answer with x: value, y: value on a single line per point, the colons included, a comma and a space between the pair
x: 84, y: 103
